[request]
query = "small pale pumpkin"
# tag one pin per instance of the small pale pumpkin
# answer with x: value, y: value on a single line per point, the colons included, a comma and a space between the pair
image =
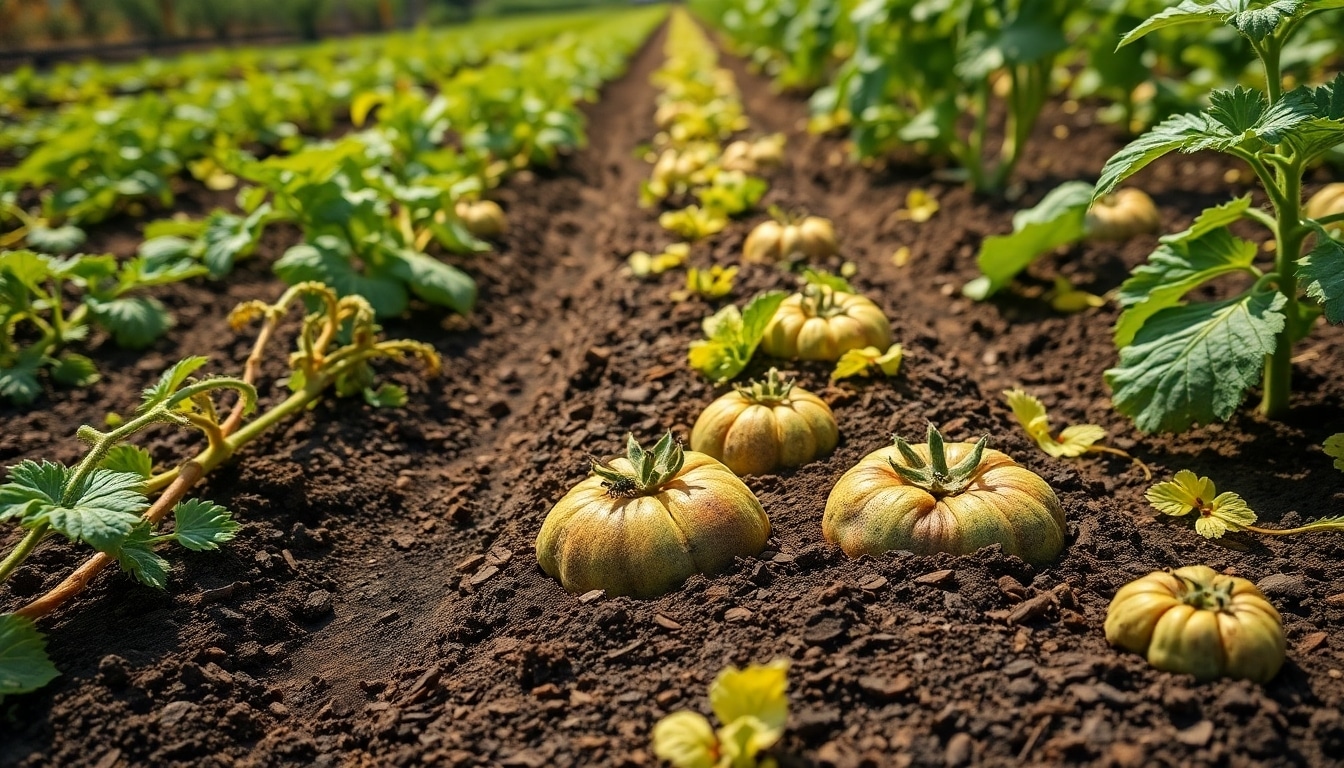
x: 1121, y: 215
x: 821, y: 323
x: 943, y: 497
x: 765, y: 426
x: 644, y: 522
x: 1200, y: 622
x: 787, y: 239
x: 483, y: 218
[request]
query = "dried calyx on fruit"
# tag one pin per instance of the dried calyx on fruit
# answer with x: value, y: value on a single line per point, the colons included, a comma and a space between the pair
x: 483, y: 218
x: 1121, y: 215
x: 788, y: 238
x: 764, y: 426
x: 644, y: 522
x: 822, y: 323
x: 943, y: 497
x: 1200, y: 622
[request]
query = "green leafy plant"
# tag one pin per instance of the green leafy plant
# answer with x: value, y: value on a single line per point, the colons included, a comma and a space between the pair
x: 916, y: 69
x: 104, y: 500
x: 752, y: 706
x: 732, y: 336
x: 1185, y: 363
x: 1219, y: 513
x: 36, y: 295
x: 1334, y: 448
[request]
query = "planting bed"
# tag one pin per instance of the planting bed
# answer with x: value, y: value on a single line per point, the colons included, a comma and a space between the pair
x: 382, y: 603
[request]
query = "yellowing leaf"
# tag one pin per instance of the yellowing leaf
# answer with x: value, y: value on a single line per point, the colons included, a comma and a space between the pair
x: 860, y: 362
x: 1181, y: 495
x: 1334, y: 448
x: 1188, y: 493
x: 643, y: 264
x: 890, y: 361
x: 759, y: 691
x: 920, y: 206
x: 686, y: 740
x: 854, y: 362
x: 743, y: 739
x: 1031, y: 414
x: 713, y: 283
x: 1067, y: 298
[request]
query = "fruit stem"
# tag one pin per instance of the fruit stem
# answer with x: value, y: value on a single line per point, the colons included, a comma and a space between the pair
x: 935, y: 476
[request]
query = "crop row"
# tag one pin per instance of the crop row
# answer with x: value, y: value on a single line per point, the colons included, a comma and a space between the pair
x: 368, y: 204
x: 105, y: 154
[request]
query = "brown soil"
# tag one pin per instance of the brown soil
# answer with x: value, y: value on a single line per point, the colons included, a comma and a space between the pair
x: 382, y: 605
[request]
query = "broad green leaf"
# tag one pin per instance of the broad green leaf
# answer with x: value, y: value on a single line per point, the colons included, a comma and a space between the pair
x: 1059, y: 219
x: 823, y: 278
x: 732, y: 337
x: 24, y: 665
x: 129, y: 458
x: 135, y: 554
x: 65, y: 239
x: 1178, y: 132
x: 1255, y: 23
x: 686, y: 740
x: 1035, y: 33
x: 327, y: 260
x: 1185, y: 12
x: 1334, y: 448
x: 200, y: 525
x: 386, y: 396
x: 228, y: 238
x: 133, y: 322
x: 166, y: 248
x: 434, y: 281
x: 757, y: 315
x: 106, y: 506
x: 32, y: 486
x: 1193, y: 364
x: 28, y: 268
x: 1322, y: 273
x: 171, y: 381
x: 1178, y: 266
x: 759, y: 691
x: 74, y: 370
x: 18, y: 382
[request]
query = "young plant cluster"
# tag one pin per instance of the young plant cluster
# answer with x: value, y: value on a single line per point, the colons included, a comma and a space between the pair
x: 98, y: 139
x: 371, y: 204
x: 49, y: 303
x: 104, y: 501
x: 699, y: 108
